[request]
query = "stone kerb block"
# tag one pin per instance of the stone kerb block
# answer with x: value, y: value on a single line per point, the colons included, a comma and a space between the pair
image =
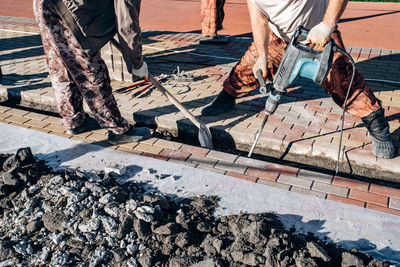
x: 115, y: 63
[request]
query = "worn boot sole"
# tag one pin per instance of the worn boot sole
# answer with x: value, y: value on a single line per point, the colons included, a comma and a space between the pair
x: 133, y: 135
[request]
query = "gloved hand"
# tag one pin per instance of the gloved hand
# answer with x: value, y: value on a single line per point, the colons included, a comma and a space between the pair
x: 261, y: 64
x: 142, y: 72
x: 319, y: 35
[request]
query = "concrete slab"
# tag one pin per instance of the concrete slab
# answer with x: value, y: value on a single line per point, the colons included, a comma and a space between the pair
x: 367, y: 230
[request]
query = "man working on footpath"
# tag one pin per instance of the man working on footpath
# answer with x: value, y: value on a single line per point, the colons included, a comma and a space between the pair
x: 73, y: 32
x: 273, y: 24
x: 212, y: 16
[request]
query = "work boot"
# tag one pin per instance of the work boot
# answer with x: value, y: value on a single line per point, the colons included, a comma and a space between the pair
x: 224, y: 102
x: 88, y: 124
x: 378, y: 127
x: 135, y: 134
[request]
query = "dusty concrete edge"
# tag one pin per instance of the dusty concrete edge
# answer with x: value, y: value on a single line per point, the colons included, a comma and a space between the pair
x: 189, y: 131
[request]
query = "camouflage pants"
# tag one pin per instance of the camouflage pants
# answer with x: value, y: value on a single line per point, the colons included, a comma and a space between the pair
x: 212, y: 16
x: 76, y: 76
x: 361, y: 102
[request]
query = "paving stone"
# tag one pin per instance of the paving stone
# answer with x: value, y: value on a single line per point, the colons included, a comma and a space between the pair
x: 4, y: 109
x: 292, y: 180
x: 369, y: 197
x: 22, y: 125
x: 254, y: 163
x: 129, y: 150
x: 230, y: 166
x: 54, y: 120
x: 35, y: 116
x: 385, y: 190
x: 174, y: 154
x: 330, y: 189
x: 214, y: 154
x: 273, y: 184
x: 4, y: 116
x: 40, y: 129
x: 36, y: 123
x: 316, y: 176
x: 263, y: 174
x: 308, y: 192
x: 148, y: 148
x: 282, y: 169
x: 202, y: 161
x: 97, y: 137
x: 389, y: 164
x: 351, y: 183
x: 324, y: 149
x: 17, y: 112
x: 199, y: 151
x: 65, y: 135
x: 17, y: 119
x: 168, y: 144
x: 149, y: 141
x: 242, y: 176
x: 149, y: 155
x: 394, y: 203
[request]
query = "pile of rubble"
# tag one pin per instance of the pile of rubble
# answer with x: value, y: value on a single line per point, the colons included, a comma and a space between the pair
x: 73, y: 218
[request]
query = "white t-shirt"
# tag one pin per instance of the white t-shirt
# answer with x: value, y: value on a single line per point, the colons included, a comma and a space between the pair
x: 286, y: 15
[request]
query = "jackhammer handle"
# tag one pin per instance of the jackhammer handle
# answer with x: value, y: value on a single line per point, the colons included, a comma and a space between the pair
x: 263, y: 88
x: 174, y: 101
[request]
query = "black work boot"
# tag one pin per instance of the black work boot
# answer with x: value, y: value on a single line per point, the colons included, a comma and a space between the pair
x: 224, y: 102
x: 88, y: 124
x: 378, y: 127
x: 135, y: 134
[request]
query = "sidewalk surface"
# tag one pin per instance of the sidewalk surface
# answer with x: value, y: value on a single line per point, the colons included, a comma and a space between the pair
x: 305, y: 127
x: 363, y: 24
x: 366, y: 230
x: 303, y: 130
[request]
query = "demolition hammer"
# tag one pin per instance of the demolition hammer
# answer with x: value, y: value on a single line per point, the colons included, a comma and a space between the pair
x: 299, y: 60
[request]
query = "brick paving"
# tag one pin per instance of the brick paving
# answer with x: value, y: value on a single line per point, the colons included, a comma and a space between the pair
x: 304, y: 128
x: 354, y: 192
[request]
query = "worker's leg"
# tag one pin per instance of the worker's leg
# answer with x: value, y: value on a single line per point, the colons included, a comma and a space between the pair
x: 68, y: 97
x: 361, y: 103
x: 71, y: 69
x: 220, y: 14
x: 208, y: 17
x: 241, y: 80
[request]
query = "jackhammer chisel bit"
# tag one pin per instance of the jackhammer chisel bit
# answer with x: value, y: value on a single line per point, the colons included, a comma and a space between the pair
x: 299, y: 60
x: 270, y: 106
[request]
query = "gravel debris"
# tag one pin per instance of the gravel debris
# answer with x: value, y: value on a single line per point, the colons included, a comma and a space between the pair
x: 75, y: 218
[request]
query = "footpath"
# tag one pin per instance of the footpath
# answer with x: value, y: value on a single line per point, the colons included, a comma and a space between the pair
x: 303, y: 134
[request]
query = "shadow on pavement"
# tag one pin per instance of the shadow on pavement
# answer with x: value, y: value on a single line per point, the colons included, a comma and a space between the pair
x: 194, y: 57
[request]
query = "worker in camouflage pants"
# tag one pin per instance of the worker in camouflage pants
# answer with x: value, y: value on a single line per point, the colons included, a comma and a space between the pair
x: 212, y: 16
x: 273, y: 23
x: 77, y: 73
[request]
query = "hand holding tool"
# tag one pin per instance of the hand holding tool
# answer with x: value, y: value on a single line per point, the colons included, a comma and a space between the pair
x: 205, y: 138
x: 299, y: 60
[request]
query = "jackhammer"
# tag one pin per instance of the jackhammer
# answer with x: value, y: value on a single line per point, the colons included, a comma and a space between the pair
x: 299, y: 60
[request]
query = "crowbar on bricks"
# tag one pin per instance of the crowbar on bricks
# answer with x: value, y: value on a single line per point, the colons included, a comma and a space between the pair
x: 205, y: 137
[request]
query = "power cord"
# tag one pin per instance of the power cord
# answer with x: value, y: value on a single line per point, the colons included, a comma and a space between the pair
x: 340, y: 50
